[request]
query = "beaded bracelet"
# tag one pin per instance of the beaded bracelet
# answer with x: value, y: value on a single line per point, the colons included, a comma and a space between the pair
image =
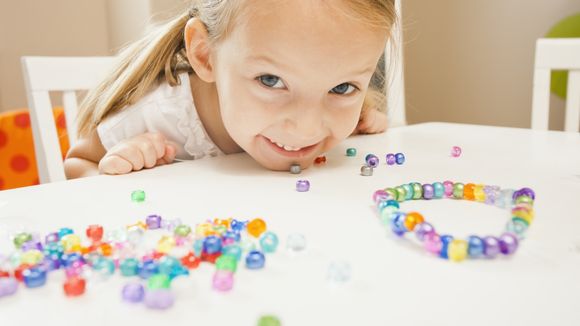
x: 446, y: 246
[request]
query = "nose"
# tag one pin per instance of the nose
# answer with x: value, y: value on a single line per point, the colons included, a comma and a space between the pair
x: 306, y: 121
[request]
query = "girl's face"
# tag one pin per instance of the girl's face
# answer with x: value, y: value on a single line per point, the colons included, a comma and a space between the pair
x: 291, y: 79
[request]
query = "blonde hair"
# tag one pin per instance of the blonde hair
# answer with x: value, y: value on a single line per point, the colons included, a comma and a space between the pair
x: 161, y: 54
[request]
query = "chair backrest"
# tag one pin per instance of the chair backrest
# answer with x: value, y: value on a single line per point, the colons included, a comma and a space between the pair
x: 556, y: 54
x: 395, y: 82
x: 57, y: 74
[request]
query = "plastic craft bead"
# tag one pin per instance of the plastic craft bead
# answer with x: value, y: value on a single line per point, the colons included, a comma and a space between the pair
x: 256, y: 227
x: 492, y: 248
x: 212, y: 244
x: 158, y: 281
x: 74, y: 286
x: 508, y: 243
x: 366, y: 171
x: 351, y: 152
x: 295, y: 169
x: 476, y: 246
x: 133, y: 292
x: 458, y: 190
x: 302, y: 185
x: 255, y: 260
x: 417, y: 190
x: 190, y: 261
x: 400, y: 158
x: 296, y: 242
x: 339, y: 272
x: 372, y: 160
x: 391, y: 160
x: 21, y: 238
x: 182, y: 230
x: 269, y: 242
x: 445, y: 241
x: 269, y: 320
x: 226, y: 263
x: 320, y: 160
x: 159, y: 299
x: 34, y: 277
x: 428, y: 191
x: 457, y: 250
x: 138, y: 196
x: 455, y: 151
x: 95, y: 232
x: 153, y: 222
x: 8, y: 286
x: 233, y: 250
x: 223, y: 280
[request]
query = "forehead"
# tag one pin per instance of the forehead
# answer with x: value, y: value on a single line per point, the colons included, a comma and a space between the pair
x: 306, y: 32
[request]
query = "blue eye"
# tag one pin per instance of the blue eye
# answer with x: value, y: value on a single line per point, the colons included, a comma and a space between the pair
x: 271, y: 81
x: 344, y: 89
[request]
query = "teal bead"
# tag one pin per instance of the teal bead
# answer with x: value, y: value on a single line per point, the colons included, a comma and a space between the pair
x: 409, y: 190
x: 105, y: 266
x: 269, y: 242
x: 518, y: 226
x: 387, y: 213
x: 168, y: 265
x: 458, y: 190
x: 129, y: 267
x: 233, y: 250
x: 439, y: 190
x: 198, y: 247
x: 351, y: 152
x: 417, y: 190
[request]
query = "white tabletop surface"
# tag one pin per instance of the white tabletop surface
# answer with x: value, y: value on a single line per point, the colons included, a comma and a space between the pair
x: 394, y: 282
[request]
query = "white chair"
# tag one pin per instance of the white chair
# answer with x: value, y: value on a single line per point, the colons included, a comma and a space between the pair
x: 57, y: 74
x: 395, y: 82
x: 556, y: 54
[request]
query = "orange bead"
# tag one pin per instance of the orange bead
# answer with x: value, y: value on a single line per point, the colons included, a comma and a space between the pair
x: 468, y: 191
x: 412, y: 219
x: 320, y: 160
x: 106, y: 249
x: 256, y: 227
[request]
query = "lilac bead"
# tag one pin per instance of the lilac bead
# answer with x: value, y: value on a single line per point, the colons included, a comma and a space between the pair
x: 428, y: 191
x: 302, y: 185
x: 159, y: 299
x: 8, y: 286
x: 31, y: 245
x: 508, y: 243
x: 223, y: 280
x: 423, y: 229
x: 153, y: 222
x: 456, y: 151
x: 51, y: 237
x: 372, y: 161
x: 133, y: 292
x: 391, y: 160
x: 524, y: 192
x: 492, y: 247
x: 432, y: 243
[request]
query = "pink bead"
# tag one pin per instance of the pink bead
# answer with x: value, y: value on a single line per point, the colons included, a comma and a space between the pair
x: 456, y: 151
x: 448, y: 185
x: 432, y: 243
x: 380, y: 195
x: 223, y: 280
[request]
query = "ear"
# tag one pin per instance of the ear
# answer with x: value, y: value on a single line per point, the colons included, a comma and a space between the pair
x: 198, y: 51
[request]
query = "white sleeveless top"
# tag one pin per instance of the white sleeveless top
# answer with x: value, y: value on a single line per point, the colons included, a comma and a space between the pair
x: 167, y: 110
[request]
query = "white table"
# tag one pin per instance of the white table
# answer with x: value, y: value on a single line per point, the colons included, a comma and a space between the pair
x: 393, y: 281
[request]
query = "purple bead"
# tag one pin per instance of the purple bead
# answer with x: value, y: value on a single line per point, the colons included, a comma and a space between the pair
x: 302, y: 185
x: 428, y: 191
x: 133, y: 292
x: 8, y: 286
x: 391, y: 160
x: 492, y: 247
x: 372, y: 161
x: 30, y: 245
x: 51, y: 237
x: 508, y: 243
x: 422, y: 229
x: 159, y: 299
x: 153, y: 222
x: 223, y: 280
x: 524, y: 192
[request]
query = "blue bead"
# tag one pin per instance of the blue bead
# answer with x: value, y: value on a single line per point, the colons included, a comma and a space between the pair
x: 167, y: 264
x: 255, y: 260
x: 233, y: 250
x: 237, y: 225
x: 476, y: 246
x: 212, y: 244
x: 68, y: 259
x: 232, y: 235
x: 400, y: 158
x: 34, y: 277
x: 397, y: 223
x: 198, y: 247
x: 64, y: 231
x: 438, y: 189
x: 393, y: 203
x: 445, y: 240
x: 147, y: 269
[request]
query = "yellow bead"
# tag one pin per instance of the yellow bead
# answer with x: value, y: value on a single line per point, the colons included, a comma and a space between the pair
x: 139, y: 224
x: 457, y: 250
x: 31, y: 257
x: 479, y: 193
x: 165, y: 244
x: 202, y: 228
x: 71, y: 242
x: 256, y: 227
x: 525, y: 214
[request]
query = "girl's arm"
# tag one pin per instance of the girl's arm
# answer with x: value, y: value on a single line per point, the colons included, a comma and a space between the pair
x: 88, y: 156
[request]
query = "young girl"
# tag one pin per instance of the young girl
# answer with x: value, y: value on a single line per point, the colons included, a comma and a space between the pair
x: 282, y: 80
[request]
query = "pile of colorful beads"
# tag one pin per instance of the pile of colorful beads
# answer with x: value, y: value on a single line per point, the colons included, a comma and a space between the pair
x: 179, y: 249
x: 520, y: 203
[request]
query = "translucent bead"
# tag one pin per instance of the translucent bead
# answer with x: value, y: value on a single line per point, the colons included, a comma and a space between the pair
x: 524, y: 192
x: 392, y: 192
x: 256, y: 227
x: 504, y: 199
x: 227, y: 262
x: 476, y: 246
x: 190, y: 261
x: 71, y: 242
x: 468, y: 191
x: 457, y: 250
x: 380, y: 195
x: 147, y: 269
x: 64, y: 231
x: 158, y: 281
x: 105, y: 267
x: 129, y: 267
x: 458, y: 190
x: 478, y: 193
x: 448, y: 186
x: 94, y: 232
x: 168, y: 265
x: 133, y: 292
x: 212, y: 244
x: 508, y: 243
x: 455, y: 151
x: 366, y: 171
x: 401, y: 193
x: 339, y: 272
x: 153, y: 222
x: 445, y: 241
x: 159, y: 299
x: 68, y: 259
x: 269, y: 320
x: 523, y: 213
x: 428, y: 191
x: 269, y: 242
x: 524, y: 199
x: 517, y: 226
x: 138, y: 196
x: 74, y: 286
x: 438, y: 190
x: 182, y: 230
x: 408, y: 191
x: 233, y: 250
x: 223, y: 280
x: 372, y: 160
x: 492, y: 248
x: 422, y: 229
x: 255, y: 260
x: 417, y: 190
x: 8, y: 286
x: 21, y: 238
x: 412, y: 219
x: 34, y: 277
x: 296, y: 242
x: 351, y: 152
x: 397, y: 223
x: 390, y: 158
x: 135, y: 235
x: 31, y: 257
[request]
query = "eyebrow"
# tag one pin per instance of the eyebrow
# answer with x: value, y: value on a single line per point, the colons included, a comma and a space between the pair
x: 275, y: 63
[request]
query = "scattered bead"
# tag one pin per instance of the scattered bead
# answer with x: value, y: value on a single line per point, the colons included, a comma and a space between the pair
x: 269, y: 320
x: 296, y: 242
x: 269, y: 242
x: 153, y: 222
x: 95, y: 232
x: 138, y: 196
x: 295, y: 169
x: 339, y: 272
x: 400, y: 158
x: 8, y: 286
x: 223, y: 280
x: 255, y: 260
x: 74, y: 286
x: 159, y: 299
x: 133, y: 292
x: 158, y: 281
x: 390, y: 158
x: 302, y: 185
x: 456, y: 151
x: 366, y: 171
x: 351, y: 151
x: 372, y: 160
x: 34, y: 277
x: 320, y: 160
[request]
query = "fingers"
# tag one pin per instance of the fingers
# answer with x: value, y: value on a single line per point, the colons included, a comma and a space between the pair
x: 169, y: 155
x: 113, y: 164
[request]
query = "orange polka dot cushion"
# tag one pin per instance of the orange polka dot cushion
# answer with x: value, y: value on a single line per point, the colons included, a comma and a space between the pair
x: 17, y: 160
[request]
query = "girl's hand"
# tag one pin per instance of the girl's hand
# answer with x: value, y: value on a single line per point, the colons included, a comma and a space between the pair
x: 133, y: 154
x: 372, y: 121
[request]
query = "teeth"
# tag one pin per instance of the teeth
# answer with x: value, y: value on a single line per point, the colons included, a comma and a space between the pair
x: 286, y: 147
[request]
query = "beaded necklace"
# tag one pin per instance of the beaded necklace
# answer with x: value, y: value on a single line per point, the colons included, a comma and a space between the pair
x: 520, y: 203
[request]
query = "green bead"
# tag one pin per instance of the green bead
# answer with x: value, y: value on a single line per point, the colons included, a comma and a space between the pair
x: 351, y: 151
x: 392, y: 192
x: 401, y: 193
x: 417, y: 190
x: 22, y: 238
x: 458, y: 190
x: 525, y: 200
x: 138, y: 196
x: 269, y: 320
x: 227, y: 263
x: 158, y: 281
x: 182, y: 230
x: 129, y: 267
x: 409, y: 190
x: 387, y: 213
